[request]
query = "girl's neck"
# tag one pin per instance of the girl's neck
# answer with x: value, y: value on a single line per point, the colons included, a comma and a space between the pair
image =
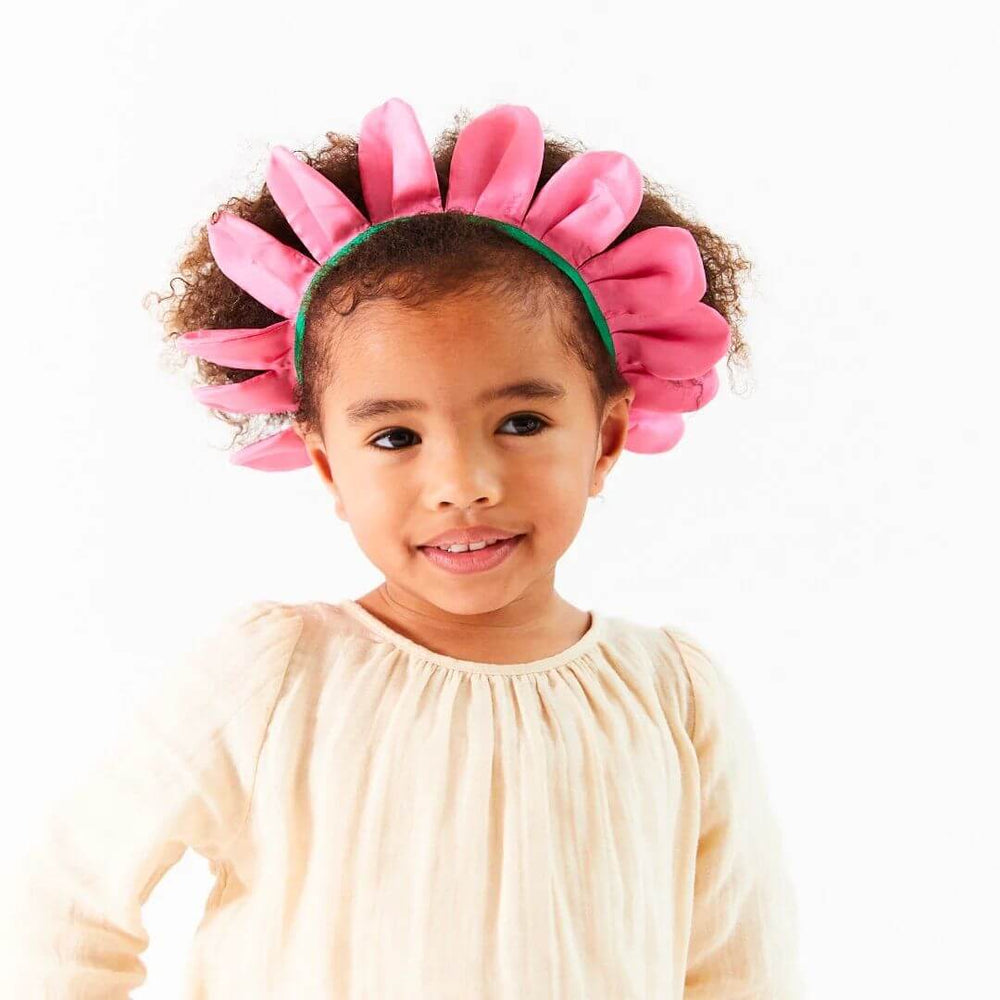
x: 509, y: 636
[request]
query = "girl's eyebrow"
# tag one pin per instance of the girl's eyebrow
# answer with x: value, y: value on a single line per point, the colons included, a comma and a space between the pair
x: 531, y: 388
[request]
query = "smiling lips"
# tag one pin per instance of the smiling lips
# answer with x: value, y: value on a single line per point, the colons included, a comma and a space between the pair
x: 472, y: 560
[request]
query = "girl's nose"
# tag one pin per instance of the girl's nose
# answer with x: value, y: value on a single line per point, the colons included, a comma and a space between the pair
x: 461, y: 477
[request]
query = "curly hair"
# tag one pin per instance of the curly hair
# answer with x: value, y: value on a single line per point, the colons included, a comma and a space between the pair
x: 418, y: 261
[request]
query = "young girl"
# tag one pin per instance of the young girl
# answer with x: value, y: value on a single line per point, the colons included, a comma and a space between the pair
x: 458, y: 785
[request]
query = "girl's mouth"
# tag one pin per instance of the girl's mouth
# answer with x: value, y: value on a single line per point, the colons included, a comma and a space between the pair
x: 472, y: 561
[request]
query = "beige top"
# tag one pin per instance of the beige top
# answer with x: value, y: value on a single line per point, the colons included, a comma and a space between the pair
x: 384, y: 821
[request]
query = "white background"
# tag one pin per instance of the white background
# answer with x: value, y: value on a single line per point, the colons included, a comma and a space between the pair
x: 829, y: 529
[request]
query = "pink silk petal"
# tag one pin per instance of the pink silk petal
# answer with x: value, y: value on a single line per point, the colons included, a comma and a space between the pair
x: 323, y: 217
x: 279, y: 452
x: 586, y: 204
x: 496, y: 164
x: 650, y: 432
x: 250, y: 348
x: 673, y: 395
x: 398, y: 176
x: 647, y: 279
x: 274, y: 274
x: 269, y: 392
x: 687, y: 345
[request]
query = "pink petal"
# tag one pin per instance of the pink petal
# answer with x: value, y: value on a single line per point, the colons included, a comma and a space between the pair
x: 323, y: 217
x: 254, y: 347
x: 270, y: 392
x: 496, y: 163
x: 398, y: 176
x: 274, y: 274
x: 279, y: 452
x: 675, y: 395
x: 586, y: 204
x: 650, y: 432
x: 685, y: 347
x: 647, y: 279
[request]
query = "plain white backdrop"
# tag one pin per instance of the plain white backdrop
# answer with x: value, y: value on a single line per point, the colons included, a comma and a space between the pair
x: 829, y: 528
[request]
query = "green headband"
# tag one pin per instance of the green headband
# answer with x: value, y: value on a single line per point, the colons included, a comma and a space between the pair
x: 517, y: 233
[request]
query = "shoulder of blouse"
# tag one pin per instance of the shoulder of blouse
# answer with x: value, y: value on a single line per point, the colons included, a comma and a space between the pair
x: 718, y: 712
x: 213, y: 708
x: 696, y: 666
x: 218, y: 695
x: 251, y: 643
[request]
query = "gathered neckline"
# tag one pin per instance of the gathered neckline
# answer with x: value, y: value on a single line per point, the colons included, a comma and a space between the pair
x: 585, y: 642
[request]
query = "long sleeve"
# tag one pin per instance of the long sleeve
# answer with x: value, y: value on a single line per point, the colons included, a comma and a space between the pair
x: 181, y: 777
x: 744, y: 930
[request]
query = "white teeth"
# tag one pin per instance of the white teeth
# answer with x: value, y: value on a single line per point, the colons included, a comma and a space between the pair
x: 474, y: 547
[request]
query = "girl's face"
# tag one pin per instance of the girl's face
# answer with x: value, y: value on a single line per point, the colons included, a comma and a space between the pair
x: 463, y: 414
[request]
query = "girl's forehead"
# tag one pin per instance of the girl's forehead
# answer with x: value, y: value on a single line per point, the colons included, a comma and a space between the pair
x: 451, y: 373
x: 473, y: 376
x: 465, y: 312
x: 460, y: 353
x: 407, y: 339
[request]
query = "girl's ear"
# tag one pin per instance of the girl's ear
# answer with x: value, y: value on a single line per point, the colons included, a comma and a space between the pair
x: 613, y: 431
x: 317, y: 454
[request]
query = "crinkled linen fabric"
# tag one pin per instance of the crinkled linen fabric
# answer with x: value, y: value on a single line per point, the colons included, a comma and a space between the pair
x: 384, y: 821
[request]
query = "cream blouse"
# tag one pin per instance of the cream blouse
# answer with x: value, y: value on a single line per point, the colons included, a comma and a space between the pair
x: 384, y: 821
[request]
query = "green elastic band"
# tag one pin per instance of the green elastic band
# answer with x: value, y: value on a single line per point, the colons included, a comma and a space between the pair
x: 515, y: 231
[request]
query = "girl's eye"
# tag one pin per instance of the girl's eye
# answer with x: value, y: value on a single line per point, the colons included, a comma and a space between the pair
x: 393, y: 430
x: 542, y: 424
x: 538, y: 421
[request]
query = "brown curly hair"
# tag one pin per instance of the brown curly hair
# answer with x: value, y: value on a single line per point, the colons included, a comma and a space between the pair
x: 417, y: 261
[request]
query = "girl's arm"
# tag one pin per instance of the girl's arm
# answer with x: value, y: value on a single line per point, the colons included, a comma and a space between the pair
x: 181, y: 777
x: 744, y: 931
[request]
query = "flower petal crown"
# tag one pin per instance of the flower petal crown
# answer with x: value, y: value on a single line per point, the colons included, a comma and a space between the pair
x: 643, y: 295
